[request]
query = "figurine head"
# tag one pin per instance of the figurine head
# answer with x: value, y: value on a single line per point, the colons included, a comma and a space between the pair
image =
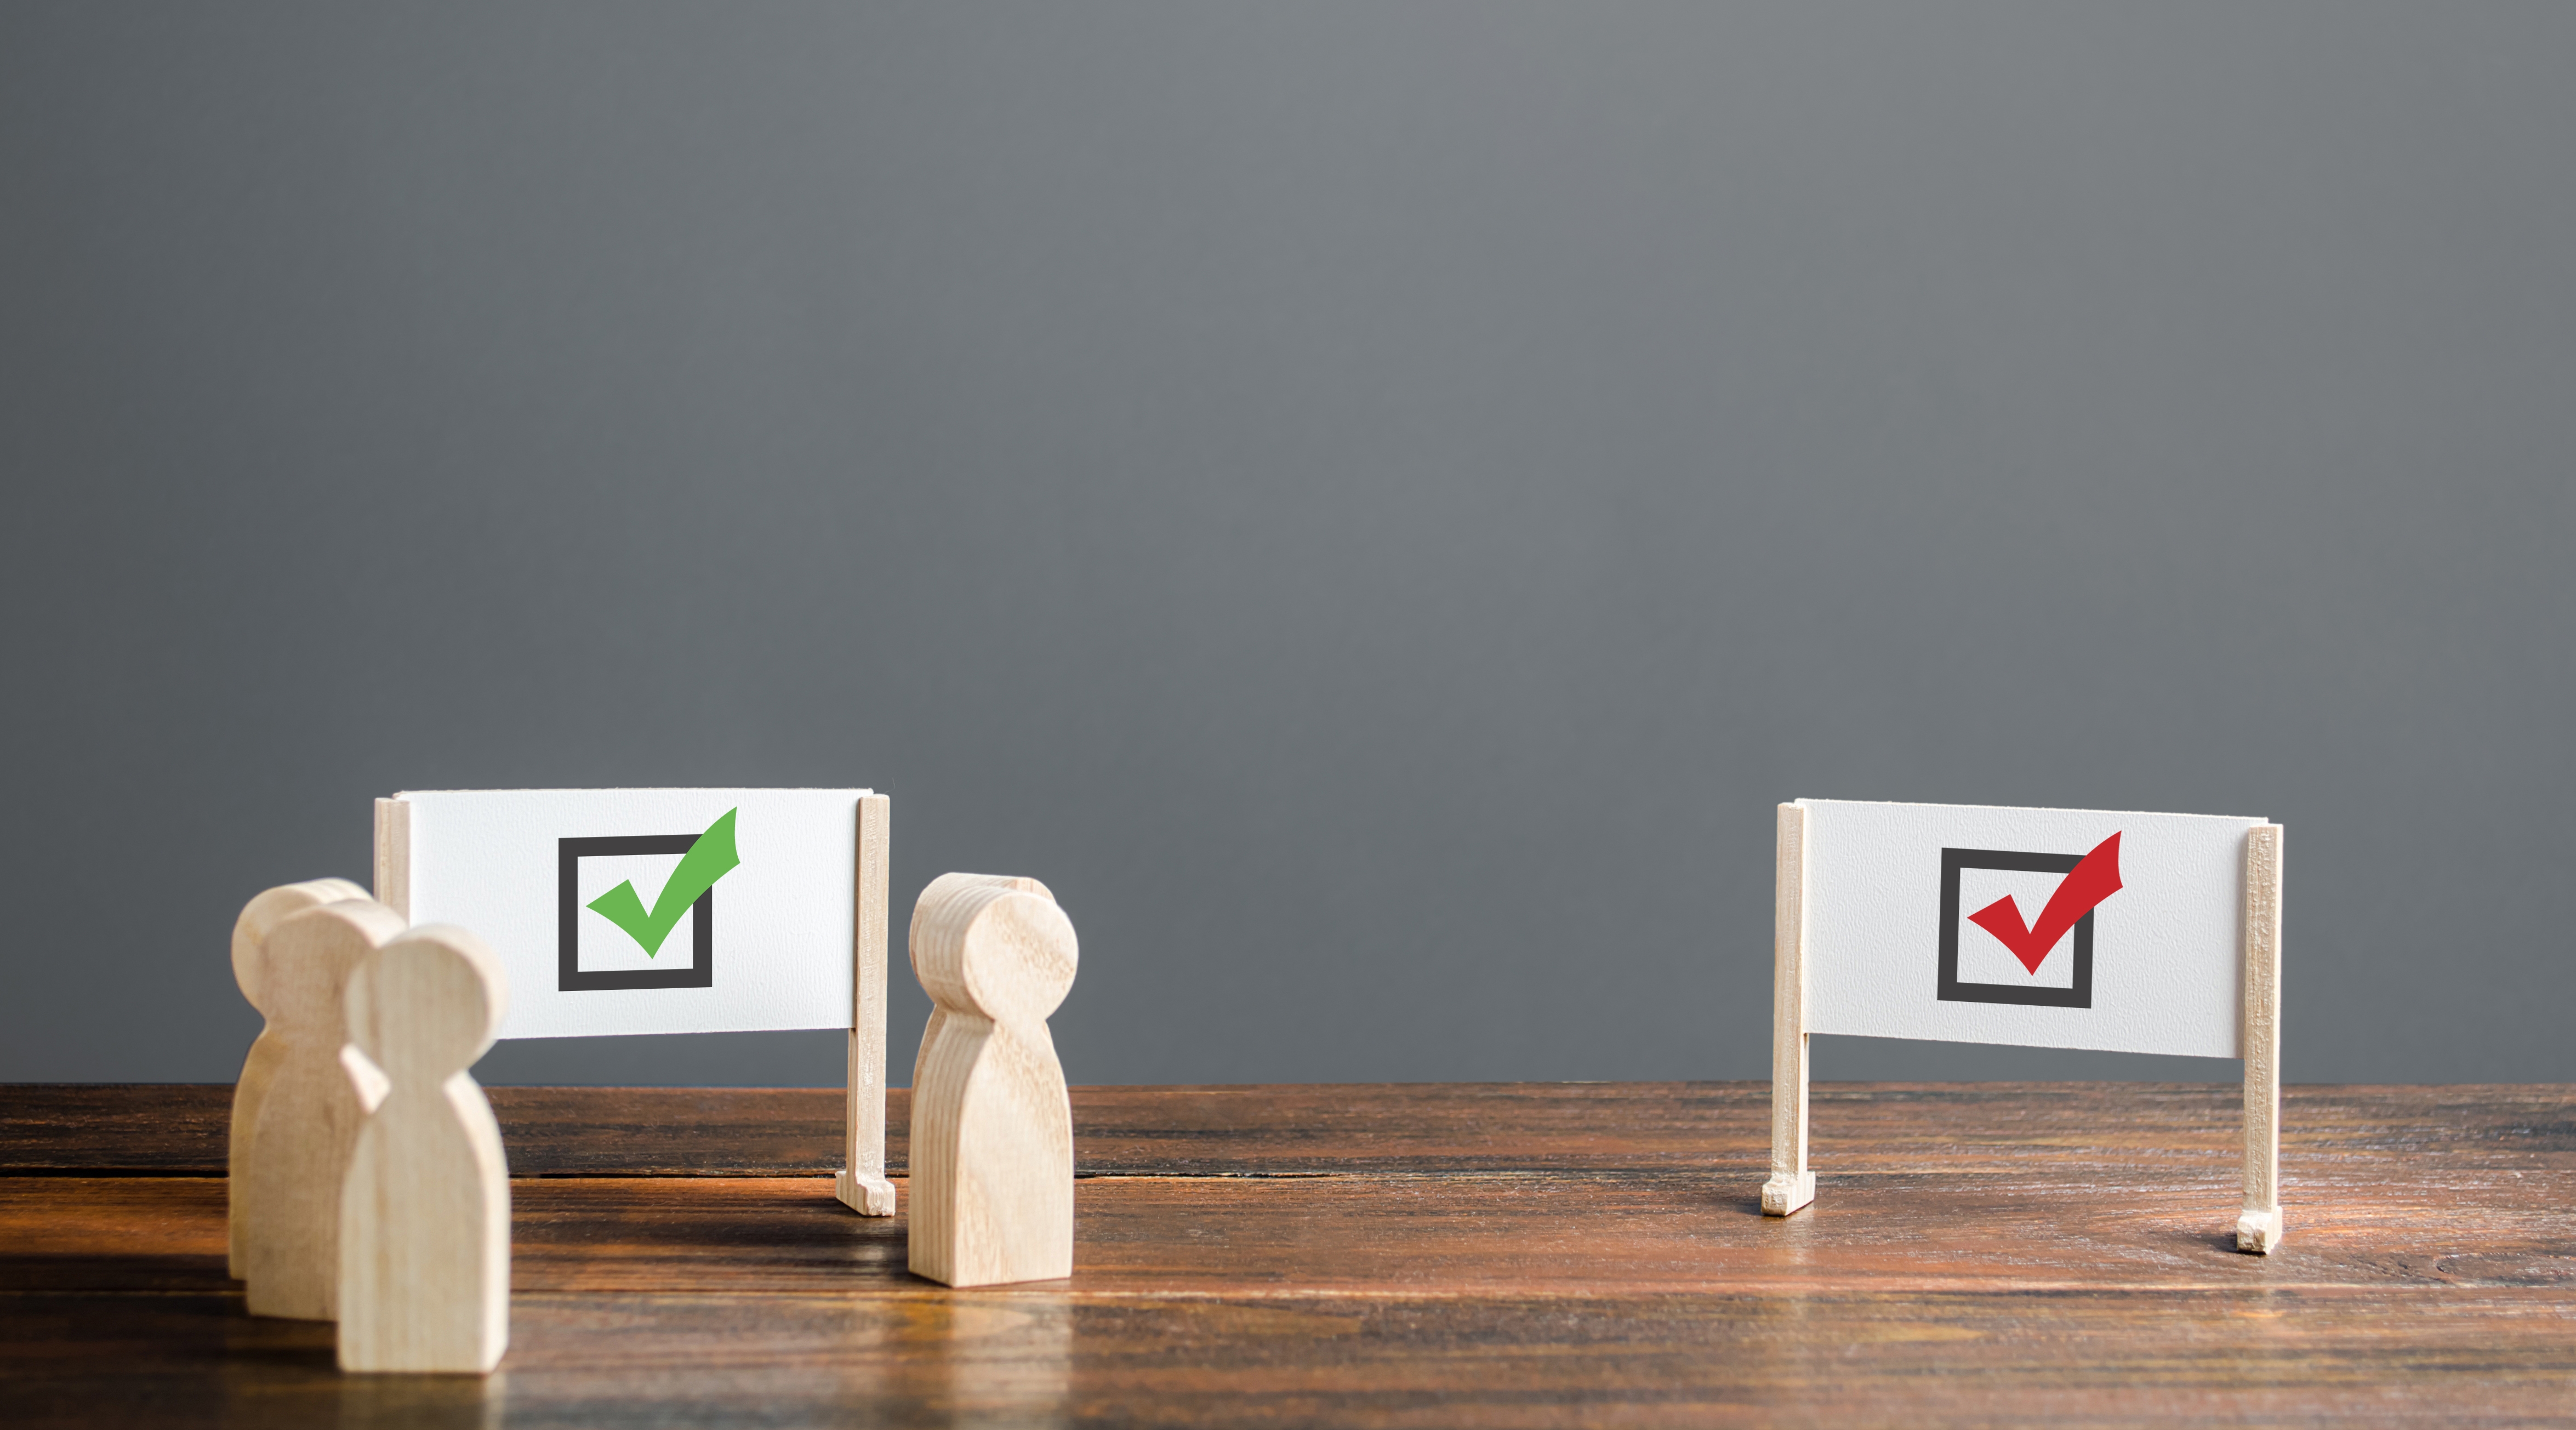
x: 303, y: 971
x: 994, y: 947
x: 263, y: 914
x: 428, y: 1005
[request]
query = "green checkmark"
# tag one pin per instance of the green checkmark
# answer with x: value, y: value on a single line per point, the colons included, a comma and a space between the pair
x: 708, y: 860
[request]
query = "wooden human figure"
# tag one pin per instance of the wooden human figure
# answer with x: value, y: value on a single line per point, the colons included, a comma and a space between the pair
x: 425, y: 1209
x: 250, y: 970
x: 286, y: 1203
x: 992, y: 1128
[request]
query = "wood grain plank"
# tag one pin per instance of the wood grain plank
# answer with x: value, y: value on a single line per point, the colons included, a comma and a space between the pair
x: 1043, y: 1357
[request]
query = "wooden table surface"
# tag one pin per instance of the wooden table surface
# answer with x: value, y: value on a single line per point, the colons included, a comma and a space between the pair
x: 1515, y: 1254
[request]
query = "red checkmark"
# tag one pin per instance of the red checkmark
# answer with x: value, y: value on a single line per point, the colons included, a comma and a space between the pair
x: 2096, y: 878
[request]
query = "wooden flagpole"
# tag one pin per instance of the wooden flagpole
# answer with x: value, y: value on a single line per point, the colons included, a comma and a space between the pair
x: 861, y: 1182
x: 2259, y: 1229
x: 1791, y: 1186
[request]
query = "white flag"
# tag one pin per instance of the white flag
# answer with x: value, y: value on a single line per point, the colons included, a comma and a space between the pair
x: 642, y: 910
x: 2058, y: 928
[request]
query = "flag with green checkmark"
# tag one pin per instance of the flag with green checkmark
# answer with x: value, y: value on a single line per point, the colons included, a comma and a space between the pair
x: 626, y: 911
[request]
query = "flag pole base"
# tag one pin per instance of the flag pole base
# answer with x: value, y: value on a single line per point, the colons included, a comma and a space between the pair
x: 2258, y: 1231
x: 868, y: 1196
x: 1783, y: 1195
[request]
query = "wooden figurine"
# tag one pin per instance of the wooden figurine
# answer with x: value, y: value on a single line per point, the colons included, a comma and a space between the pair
x: 286, y: 1203
x: 250, y: 965
x: 992, y: 1127
x: 424, y: 1212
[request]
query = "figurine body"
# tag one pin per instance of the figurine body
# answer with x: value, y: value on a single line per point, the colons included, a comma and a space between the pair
x: 992, y: 1127
x: 424, y: 1270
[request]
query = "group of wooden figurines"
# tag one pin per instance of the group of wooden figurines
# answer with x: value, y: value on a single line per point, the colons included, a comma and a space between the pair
x: 368, y: 1185
x: 366, y: 1176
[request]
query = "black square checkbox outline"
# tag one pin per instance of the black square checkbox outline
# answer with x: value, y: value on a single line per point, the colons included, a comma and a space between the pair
x: 1954, y: 991
x: 569, y: 977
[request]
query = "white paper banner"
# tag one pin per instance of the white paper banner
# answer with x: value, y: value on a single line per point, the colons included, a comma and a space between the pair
x: 648, y: 910
x: 2053, y: 928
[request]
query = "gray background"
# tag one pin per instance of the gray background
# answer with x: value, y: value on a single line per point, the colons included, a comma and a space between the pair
x: 1374, y: 502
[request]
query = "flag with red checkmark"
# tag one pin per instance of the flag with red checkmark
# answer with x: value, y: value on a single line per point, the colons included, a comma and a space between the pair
x: 2032, y: 926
